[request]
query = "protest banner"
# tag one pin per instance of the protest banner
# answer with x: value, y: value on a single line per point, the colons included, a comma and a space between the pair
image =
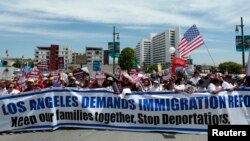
x: 50, y: 109
x: 34, y: 74
x: 79, y: 74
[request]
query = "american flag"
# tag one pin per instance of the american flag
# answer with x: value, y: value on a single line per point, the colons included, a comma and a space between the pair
x: 191, y: 40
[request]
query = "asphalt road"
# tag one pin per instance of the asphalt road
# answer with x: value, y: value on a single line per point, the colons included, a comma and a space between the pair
x: 99, y: 135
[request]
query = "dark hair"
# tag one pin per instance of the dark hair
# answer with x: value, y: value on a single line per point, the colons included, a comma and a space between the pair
x: 178, y: 80
x: 215, y: 80
x: 228, y: 77
x: 8, y: 85
x: 168, y: 85
x: 190, y: 83
x: 200, y: 82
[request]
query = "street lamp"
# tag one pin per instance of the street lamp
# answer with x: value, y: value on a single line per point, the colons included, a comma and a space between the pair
x: 242, y: 41
x: 171, y: 50
x: 114, y: 34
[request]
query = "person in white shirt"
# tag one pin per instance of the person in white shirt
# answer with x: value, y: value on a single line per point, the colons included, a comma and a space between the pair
x: 146, y: 84
x: 227, y: 85
x: 2, y: 88
x: 11, y: 89
x: 201, y: 85
x: 215, y: 86
x: 196, y: 77
x: 180, y: 84
x: 156, y: 86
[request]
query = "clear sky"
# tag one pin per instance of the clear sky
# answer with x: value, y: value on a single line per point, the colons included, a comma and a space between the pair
x: 25, y: 24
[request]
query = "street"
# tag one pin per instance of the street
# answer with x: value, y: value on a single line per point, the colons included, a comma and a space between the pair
x: 95, y: 135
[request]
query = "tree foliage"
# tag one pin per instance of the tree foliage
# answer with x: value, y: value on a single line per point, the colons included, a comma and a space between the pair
x: 126, y: 58
x: 197, y: 68
x: 230, y: 67
x: 152, y: 68
x: 81, y: 59
x: 17, y: 64
x: 31, y: 63
x: 213, y: 69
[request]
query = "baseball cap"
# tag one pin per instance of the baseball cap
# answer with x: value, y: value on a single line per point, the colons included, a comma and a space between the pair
x: 156, y: 81
x: 31, y: 80
x: 110, y: 78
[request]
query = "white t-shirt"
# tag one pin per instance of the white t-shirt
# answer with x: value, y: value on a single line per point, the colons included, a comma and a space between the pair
x: 180, y: 87
x: 212, y: 87
x: 155, y: 89
x: 227, y: 85
x: 13, y: 92
x: 195, y: 80
x: 2, y: 91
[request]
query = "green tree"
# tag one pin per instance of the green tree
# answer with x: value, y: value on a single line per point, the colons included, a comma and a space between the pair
x: 152, y: 68
x: 213, y: 69
x: 82, y: 59
x: 230, y: 67
x: 17, y: 64
x: 197, y: 68
x: 126, y: 58
x: 31, y: 63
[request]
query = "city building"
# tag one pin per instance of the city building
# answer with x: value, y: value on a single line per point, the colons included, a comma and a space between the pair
x: 57, y: 57
x: 156, y: 49
x: 65, y: 53
x: 94, y: 53
x: 161, y: 43
x: 106, y: 57
x: 53, y: 63
x: 42, y: 53
x: 142, y: 52
x: 74, y: 57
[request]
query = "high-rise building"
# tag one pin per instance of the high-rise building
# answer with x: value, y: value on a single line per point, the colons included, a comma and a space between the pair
x: 142, y: 52
x: 42, y: 54
x: 161, y: 43
x: 94, y: 53
x: 74, y: 57
x: 106, y: 57
x: 156, y: 49
x: 52, y: 54
x: 53, y: 63
x: 66, y: 53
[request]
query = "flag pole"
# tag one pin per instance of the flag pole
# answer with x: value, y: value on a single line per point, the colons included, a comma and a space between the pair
x: 210, y: 54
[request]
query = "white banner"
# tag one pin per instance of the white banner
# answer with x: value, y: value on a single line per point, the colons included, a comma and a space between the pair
x: 50, y: 109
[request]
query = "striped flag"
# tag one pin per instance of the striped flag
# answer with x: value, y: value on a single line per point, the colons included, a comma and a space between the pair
x: 191, y: 40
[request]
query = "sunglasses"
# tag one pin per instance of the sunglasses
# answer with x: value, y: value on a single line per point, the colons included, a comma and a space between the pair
x: 11, y: 87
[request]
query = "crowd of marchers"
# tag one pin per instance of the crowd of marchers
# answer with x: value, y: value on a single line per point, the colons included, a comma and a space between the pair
x: 151, y: 82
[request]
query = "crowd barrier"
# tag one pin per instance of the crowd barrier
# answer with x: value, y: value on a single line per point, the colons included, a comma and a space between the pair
x: 51, y: 109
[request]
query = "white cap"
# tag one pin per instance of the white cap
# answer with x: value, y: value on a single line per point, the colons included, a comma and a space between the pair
x: 156, y: 81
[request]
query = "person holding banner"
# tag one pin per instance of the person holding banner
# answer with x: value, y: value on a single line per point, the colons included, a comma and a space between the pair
x: 169, y: 87
x: 156, y: 86
x: 11, y: 89
x: 108, y: 83
x: 146, y: 85
x: 215, y: 86
x: 126, y: 83
x: 72, y: 82
x: 227, y: 83
x: 196, y: 77
x: 180, y: 84
x: 2, y: 88
x: 51, y: 83
x: 29, y: 85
